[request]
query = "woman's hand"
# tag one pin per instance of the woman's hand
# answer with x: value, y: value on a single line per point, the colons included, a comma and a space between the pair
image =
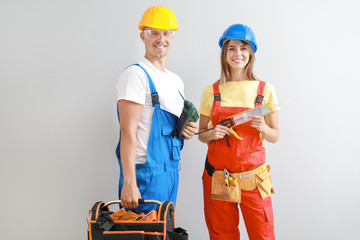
x: 258, y: 122
x: 219, y: 132
x: 268, y: 126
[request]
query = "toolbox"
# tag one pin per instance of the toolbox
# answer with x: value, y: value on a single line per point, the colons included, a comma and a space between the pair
x: 158, y: 224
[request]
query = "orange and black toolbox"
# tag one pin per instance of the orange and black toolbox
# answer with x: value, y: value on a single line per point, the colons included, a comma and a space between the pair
x: 159, y: 224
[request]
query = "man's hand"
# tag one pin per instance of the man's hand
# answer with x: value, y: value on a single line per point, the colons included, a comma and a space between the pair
x: 130, y: 196
x: 190, y: 130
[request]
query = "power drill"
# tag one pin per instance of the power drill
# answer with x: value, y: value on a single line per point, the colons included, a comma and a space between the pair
x: 188, y: 114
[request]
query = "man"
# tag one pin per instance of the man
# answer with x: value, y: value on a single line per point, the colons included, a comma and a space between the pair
x: 149, y: 106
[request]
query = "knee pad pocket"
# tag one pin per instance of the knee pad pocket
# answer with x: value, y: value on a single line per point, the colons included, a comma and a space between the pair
x: 269, y: 221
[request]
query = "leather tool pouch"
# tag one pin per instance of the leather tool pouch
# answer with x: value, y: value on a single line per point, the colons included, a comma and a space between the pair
x: 219, y: 191
x: 264, y: 184
x: 258, y: 178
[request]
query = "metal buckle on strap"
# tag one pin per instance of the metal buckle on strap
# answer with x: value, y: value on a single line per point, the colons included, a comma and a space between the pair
x: 217, y: 96
x: 155, y: 98
x: 259, y: 99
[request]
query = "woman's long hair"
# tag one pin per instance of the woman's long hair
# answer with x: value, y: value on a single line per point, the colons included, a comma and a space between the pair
x: 225, y: 68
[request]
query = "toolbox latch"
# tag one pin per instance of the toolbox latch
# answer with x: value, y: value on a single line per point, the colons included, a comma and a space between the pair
x: 105, y: 222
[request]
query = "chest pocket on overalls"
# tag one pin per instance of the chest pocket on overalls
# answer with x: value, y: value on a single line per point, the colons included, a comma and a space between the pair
x: 175, y: 143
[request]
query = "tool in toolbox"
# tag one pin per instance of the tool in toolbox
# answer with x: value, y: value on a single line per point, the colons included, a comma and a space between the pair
x: 243, y: 117
x: 151, y: 216
x: 158, y: 224
x: 188, y: 114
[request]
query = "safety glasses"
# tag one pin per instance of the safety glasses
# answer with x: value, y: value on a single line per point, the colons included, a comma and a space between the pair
x: 156, y: 34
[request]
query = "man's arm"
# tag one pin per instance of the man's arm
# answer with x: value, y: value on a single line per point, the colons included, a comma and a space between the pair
x: 129, y: 113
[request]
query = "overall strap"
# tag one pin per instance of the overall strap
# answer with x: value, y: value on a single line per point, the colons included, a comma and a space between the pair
x: 154, y: 94
x: 217, y: 100
x: 260, y: 94
x: 154, y: 98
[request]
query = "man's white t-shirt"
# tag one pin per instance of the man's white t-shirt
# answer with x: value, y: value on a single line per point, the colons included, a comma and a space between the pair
x: 133, y: 86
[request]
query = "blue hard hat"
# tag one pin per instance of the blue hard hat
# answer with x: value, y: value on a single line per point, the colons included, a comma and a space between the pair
x: 240, y: 32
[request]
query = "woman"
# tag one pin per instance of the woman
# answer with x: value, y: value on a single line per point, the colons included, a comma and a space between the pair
x: 249, y: 181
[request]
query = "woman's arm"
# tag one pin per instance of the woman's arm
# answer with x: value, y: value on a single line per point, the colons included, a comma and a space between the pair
x: 268, y: 126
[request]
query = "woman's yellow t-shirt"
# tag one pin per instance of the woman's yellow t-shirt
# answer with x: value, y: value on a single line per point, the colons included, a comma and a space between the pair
x: 236, y: 94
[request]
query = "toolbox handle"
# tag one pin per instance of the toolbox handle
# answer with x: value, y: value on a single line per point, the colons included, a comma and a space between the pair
x: 141, y: 201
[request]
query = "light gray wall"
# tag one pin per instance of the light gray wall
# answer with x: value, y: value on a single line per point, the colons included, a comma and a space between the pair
x: 59, y: 62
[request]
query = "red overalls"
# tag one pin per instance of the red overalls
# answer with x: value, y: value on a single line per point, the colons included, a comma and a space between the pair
x: 222, y: 218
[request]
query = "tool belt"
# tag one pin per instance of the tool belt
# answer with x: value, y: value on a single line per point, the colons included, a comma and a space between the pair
x: 227, y: 186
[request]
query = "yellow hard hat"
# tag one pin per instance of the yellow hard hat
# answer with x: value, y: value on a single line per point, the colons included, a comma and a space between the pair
x: 158, y: 17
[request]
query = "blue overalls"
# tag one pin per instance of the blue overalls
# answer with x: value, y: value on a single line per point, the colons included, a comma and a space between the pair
x: 158, y: 178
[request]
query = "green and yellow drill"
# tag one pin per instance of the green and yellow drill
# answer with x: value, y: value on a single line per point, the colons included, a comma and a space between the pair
x: 188, y: 114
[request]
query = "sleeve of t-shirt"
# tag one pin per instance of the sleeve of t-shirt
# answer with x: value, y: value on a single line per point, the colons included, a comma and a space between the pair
x: 270, y: 95
x: 180, y: 84
x: 207, y: 100
x: 132, y: 85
